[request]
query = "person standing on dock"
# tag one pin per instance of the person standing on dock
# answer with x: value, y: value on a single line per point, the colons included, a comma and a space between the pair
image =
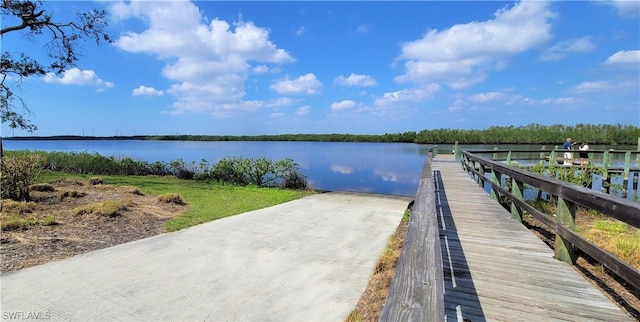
x: 568, y: 156
x: 584, y: 155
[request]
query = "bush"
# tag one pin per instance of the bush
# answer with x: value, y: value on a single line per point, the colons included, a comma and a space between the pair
x: 18, y: 171
x: 294, y: 180
x: 260, y: 172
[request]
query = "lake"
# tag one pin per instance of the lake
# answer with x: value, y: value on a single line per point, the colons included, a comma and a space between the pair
x: 386, y: 168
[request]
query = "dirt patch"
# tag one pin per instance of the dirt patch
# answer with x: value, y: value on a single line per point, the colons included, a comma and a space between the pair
x: 76, y: 217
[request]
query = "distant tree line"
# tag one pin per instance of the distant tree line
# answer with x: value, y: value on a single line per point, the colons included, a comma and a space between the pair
x: 610, y: 134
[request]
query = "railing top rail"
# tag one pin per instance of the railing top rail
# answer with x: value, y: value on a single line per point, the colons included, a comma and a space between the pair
x: 417, y: 289
x: 622, y: 209
x: 549, y: 150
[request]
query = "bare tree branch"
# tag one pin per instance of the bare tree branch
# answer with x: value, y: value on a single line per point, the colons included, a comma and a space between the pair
x: 64, y: 39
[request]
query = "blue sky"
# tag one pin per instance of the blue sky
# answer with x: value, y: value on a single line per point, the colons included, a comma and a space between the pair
x: 246, y: 68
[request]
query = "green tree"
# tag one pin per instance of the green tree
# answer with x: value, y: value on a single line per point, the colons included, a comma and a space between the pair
x: 62, y: 40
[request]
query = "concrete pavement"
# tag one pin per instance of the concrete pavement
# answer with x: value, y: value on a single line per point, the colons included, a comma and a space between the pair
x: 305, y: 260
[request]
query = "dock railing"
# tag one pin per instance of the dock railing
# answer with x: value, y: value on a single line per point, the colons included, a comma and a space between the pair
x: 508, y: 182
x: 608, y: 163
x: 417, y: 289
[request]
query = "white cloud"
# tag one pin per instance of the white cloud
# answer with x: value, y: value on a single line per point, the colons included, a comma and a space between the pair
x: 355, y: 80
x: 304, y: 110
x: 624, y: 57
x: 260, y: 69
x: 146, y: 91
x: 280, y: 102
x: 342, y: 105
x: 78, y: 77
x: 561, y: 49
x: 407, y: 95
x: 300, y: 31
x: 209, y: 61
x: 626, y: 8
x: 461, y: 55
x: 362, y: 29
x: 487, y: 97
x: 594, y: 86
x: 305, y: 84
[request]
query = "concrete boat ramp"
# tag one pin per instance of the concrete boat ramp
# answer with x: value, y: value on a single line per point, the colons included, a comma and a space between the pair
x: 305, y: 260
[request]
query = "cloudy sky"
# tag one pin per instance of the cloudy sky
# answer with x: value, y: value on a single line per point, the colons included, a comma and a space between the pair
x: 245, y: 68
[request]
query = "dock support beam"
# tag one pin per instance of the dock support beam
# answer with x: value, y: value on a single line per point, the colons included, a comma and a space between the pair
x: 565, y: 217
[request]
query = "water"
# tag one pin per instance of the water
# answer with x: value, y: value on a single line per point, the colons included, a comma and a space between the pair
x: 385, y: 168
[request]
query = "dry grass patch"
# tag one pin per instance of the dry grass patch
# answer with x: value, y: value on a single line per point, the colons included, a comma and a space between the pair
x: 19, y: 207
x: 108, y: 208
x: 172, y: 198
x: 95, y: 181
x: 71, y: 194
x: 42, y: 187
x: 10, y: 222
x: 369, y: 307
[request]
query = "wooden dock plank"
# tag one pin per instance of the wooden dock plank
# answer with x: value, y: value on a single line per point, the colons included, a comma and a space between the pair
x: 497, y: 270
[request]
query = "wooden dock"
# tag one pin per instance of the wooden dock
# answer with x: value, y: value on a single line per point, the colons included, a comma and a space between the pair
x: 495, y: 269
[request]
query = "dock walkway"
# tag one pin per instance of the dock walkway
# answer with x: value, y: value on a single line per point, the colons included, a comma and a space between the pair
x: 496, y: 269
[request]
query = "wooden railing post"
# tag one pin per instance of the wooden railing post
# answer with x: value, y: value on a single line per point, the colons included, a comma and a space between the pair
x: 496, y: 177
x: 638, y: 155
x: 625, y: 182
x: 565, y: 217
x: 552, y: 160
x: 517, y: 189
x: 481, y: 176
x: 456, y: 151
x: 606, y: 182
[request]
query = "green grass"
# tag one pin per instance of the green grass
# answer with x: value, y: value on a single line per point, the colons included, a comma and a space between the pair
x: 205, y: 201
x: 610, y: 226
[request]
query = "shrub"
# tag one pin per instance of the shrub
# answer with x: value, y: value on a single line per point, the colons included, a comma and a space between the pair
x: 182, y: 170
x: 18, y: 171
x: 294, y: 180
x: 261, y: 172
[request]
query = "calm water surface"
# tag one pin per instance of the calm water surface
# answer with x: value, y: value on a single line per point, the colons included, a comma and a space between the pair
x: 387, y: 168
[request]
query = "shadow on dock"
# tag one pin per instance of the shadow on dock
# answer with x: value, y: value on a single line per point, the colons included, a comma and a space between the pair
x: 460, y: 298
